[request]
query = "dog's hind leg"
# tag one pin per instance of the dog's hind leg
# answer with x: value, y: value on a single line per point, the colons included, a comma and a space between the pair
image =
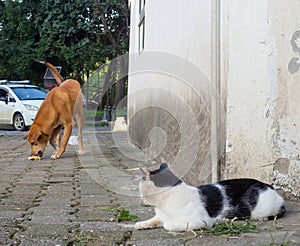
x: 79, y: 119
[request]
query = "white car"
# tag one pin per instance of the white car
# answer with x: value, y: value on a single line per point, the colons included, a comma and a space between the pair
x: 19, y: 103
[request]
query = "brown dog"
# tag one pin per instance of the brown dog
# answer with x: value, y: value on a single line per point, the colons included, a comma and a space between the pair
x: 55, y: 113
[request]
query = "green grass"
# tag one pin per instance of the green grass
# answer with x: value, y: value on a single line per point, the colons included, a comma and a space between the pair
x: 88, y: 112
x: 82, y: 238
x: 230, y: 227
x: 103, y: 123
x: 110, y: 209
x: 122, y: 214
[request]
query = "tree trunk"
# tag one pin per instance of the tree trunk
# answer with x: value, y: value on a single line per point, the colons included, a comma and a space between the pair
x: 121, y: 88
x: 122, y: 60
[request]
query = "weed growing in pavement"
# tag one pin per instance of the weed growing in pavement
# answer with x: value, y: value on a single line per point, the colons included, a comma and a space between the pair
x: 82, y: 238
x: 122, y: 214
x: 230, y: 227
x: 111, y: 209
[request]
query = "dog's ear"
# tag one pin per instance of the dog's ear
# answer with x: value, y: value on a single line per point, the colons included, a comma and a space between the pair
x: 25, y: 136
x: 43, y: 134
x: 34, y: 135
x: 42, y: 137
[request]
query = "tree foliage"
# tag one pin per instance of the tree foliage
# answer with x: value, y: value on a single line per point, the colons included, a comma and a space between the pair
x: 77, y: 35
x: 17, y: 39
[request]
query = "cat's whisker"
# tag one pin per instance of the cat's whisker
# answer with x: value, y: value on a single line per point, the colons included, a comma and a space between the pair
x: 133, y: 169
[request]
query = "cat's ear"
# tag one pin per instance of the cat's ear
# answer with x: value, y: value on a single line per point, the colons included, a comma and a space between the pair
x: 146, y: 173
x: 163, y: 166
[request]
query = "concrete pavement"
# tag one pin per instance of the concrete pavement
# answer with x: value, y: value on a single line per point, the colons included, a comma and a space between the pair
x: 77, y: 200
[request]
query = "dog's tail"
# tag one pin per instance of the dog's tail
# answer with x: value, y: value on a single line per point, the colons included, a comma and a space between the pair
x: 59, y: 79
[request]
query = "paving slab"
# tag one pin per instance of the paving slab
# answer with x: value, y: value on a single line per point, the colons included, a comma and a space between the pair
x: 76, y: 200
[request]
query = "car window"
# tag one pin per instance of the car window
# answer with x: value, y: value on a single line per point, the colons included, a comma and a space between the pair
x: 11, y: 98
x: 3, y: 94
x: 30, y: 93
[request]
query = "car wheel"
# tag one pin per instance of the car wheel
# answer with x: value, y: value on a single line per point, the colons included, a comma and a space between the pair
x: 19, y: 123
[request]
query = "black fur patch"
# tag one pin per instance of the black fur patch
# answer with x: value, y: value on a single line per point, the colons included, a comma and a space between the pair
x: 242, y: 195
x: 237, y: 188
x: 212, y: 198
x: 163, y: 177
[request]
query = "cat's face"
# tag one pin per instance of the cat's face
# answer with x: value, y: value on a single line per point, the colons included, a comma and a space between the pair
x: 154, y: 183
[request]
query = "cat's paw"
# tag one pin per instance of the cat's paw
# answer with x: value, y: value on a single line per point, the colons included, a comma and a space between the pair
x: 141, y: 226
x: 128, y: 226
x: 148, y: 224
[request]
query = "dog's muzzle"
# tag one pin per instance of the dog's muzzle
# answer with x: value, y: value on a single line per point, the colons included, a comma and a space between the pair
x: 39, y: 154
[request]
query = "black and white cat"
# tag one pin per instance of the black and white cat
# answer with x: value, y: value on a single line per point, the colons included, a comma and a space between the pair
x: 179, y: 206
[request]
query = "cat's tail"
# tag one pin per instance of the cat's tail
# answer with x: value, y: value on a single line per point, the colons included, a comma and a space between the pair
x: 280, y: 213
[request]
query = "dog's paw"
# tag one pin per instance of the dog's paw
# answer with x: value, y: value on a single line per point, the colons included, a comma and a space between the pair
x: 54, y: 156
x: 81, y: 152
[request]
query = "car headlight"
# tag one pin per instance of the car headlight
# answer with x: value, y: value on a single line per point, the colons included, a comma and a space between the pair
x: 31, y: 107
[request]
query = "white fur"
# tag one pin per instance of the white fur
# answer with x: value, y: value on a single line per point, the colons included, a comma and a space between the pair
x: 268, y: 204
x: 226, y: 205
x: 178, y: 208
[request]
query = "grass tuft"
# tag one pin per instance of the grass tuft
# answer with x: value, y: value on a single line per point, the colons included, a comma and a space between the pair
x: 230, y: 227
x: 82, y: 238
x: 124, y: 215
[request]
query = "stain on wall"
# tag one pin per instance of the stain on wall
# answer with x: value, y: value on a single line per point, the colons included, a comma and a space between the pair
x: 282, y: 165
x: 283, y: 181
x: 161, y: 134
x: 294, y: 63
x: 263, y: 92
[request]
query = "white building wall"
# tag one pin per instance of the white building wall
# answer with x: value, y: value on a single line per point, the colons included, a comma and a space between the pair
x: 259, y: 85
x: 174, y: 27
x: 169, y: 85
x: 263, y: 94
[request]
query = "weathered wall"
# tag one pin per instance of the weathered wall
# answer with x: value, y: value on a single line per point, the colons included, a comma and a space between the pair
x: 260, y: 70
x: 169, y: 102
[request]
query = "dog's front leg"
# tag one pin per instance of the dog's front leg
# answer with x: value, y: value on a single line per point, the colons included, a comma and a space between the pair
x: 55, y: 137
x: 64, y: 141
